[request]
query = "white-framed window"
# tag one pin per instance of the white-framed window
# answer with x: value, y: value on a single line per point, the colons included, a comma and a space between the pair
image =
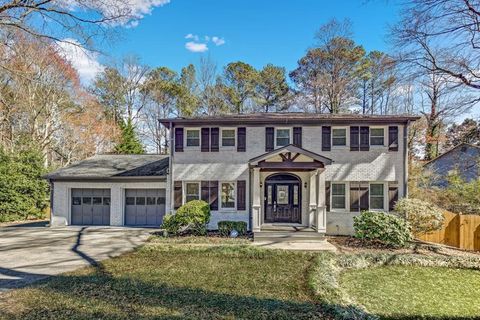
x: 228, y: 195
x: 339, y: 196
x: 377, y: 196
x: 339, y: 137
x: 228, y: 137
x: 282, y: 137
x: 192, y: 138
x: 192, y: 191
x: 377, y: 136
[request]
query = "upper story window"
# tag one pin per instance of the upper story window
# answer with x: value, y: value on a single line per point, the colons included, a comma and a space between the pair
x: 193, y: 138
x: 377, y: 136
x: 228, y: 137
x: 283, y: 137
x: 339, y: 137
x: 376, y: 196
x: 192, y: 191
x: 228, y: 195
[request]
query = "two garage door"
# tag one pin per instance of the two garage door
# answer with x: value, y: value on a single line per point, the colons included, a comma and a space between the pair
x: 91, y: 206
x: 144, y: 207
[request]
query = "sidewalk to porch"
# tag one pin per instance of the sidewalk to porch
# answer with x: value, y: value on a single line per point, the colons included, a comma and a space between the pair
x: 317, y: 245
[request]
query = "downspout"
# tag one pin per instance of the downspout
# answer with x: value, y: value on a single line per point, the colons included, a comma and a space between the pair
x: 405, y: 159
x: 250, y: 199
x: 170, y: 167
x: 50, y: 181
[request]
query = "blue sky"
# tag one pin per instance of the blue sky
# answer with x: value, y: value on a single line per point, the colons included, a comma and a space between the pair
x: 255, y: 31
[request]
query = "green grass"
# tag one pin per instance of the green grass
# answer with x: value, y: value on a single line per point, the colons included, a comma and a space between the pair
x: 413, y: 292
x: 176, y: 281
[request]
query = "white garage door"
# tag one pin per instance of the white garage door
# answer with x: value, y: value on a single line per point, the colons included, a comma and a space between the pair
x: 144, y: 207
x: 90, y: 207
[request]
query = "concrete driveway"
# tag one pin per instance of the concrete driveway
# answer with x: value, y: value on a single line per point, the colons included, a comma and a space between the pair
x: 31, y: 252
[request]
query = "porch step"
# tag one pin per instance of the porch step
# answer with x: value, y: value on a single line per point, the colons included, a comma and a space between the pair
x: 276, y: 235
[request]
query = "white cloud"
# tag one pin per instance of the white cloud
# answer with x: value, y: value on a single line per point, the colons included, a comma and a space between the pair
x: 84, y: 61
x: 196, y: 46
x: 192, y: 36
x: 218, y: 41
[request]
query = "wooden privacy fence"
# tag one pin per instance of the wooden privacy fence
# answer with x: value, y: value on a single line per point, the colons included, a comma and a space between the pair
x: 461, y: 231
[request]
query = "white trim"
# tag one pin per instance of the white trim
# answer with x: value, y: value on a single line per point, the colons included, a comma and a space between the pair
x: 385, y: 208
x: 227, y: 209
x: 384, y: 137
x: 347, y: 137
x: 234, y: 138
x: 290, y: 130
x: 347, y: 196
x: 199, y: 138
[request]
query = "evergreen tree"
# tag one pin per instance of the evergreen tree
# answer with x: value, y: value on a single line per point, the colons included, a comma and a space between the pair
x: 129, y: 141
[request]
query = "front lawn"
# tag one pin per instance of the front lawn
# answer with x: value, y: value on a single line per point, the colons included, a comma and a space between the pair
x: 164, y: 280
x: 401, y: 292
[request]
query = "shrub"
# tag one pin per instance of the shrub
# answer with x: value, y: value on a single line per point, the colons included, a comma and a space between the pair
x: 386, y: 228
x: 192, y: 216
x: 225, y: 227
x: 421, y: 215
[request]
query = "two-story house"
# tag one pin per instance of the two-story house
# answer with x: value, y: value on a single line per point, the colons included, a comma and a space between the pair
x: 270, y: 170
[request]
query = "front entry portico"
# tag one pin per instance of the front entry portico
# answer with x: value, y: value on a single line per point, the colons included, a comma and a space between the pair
x: 288, y: 189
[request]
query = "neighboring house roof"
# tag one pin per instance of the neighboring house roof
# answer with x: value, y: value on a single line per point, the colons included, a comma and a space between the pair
x: 465, y: 158
x: 289, y: 118
x: 114, y: 167
x: 293, y: 149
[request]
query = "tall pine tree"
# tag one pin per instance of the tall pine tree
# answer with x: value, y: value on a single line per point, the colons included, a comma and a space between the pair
x: 129, y: 141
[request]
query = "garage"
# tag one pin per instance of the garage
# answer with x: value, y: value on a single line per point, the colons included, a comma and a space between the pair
x: 91, y: 207
x: 144, y: 207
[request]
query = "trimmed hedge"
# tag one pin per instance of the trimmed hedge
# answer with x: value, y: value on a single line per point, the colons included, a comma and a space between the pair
x: 386, y: 228
x: 192, y: 216
x: 225, y: 227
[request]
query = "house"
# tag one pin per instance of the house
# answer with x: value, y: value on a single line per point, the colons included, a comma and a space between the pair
x: 271, y: 170
x: 463, y: 159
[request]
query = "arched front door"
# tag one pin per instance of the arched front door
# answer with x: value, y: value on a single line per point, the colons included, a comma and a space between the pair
x: 283, y: 194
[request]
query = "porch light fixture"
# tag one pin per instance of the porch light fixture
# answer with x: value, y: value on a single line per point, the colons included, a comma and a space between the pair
x: 305, y: 184
x: 261, y: 184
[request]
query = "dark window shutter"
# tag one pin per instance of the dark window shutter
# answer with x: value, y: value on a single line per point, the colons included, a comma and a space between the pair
x: 297, y: 136
x: 393, y: 138
x: 214, y: 139
x: 269, y: 136
x: 242, y: 139
x: 205, y: 191
x: 354, y: 197
x: 326, y: 138
x: 363, y: 194
x: 392, y: 197
x: 354, y: 138
x: 327, y: 195
x: 364, y: 138
x: 213, y: 195
x: 241, y: 195
x: 205, y: 140
x: 178, y: 139
x: 177, y: 194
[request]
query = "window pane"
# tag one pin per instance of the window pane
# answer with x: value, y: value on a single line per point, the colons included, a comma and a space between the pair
x: 140, y: 201
x: 228, y: 195
x: 295, y: 195
x: 130, y: 201
x: 192, y: 189
x: 269, y: 194
x: 190, y: 198
x: 283, y: 137
x: 338, y: 202
x: 339, y: 137
x: 228, y: 138
x: 376, y: 136
x: 76, y: 201
x: 151, y: 201
x: 376, y: 132
x: 282, y: 194
x: 376, y: 189
x: 160, y: 200
x: 97, y: 200
x: 376, y: 141
x: 106, y: 201
x: 376, y: 202
x: 87, y: 200
x: 193, y: 138
x: 338, y: 189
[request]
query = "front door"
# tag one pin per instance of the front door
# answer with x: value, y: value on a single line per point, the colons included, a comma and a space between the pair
x: 282, y: 200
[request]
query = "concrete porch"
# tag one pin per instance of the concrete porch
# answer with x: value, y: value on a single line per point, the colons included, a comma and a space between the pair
x: 287, y: 234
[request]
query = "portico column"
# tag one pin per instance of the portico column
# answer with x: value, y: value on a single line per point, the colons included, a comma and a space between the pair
x: 321, y: 209
x: 256, y: 203
x: 312, y: 205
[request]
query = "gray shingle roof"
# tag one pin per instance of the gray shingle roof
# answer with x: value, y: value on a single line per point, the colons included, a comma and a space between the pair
x: 114, y: 166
